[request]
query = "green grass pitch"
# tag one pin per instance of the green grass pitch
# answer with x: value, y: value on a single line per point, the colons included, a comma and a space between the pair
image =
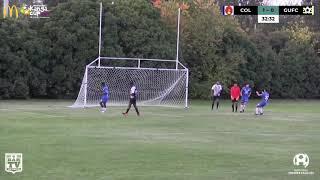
x: 59, y: 143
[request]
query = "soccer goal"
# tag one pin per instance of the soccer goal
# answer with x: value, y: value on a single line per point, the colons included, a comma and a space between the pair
x: 159, y: 82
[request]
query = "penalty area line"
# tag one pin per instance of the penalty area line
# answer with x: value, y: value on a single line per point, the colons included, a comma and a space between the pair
x: 33, y: 109
x: 46, y: 115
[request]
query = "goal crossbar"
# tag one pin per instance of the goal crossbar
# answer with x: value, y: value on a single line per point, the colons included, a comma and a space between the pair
x: 138, y: 60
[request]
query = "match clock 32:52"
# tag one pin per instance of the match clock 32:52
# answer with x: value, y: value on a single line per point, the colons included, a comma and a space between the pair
x: 268, y: 18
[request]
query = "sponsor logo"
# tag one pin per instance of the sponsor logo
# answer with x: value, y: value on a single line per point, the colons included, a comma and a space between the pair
x: 34, y: 10
x: 9, y: 9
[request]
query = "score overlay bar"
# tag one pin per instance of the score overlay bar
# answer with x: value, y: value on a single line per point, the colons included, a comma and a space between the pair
x: 269, y: 10
x: 268, y: 14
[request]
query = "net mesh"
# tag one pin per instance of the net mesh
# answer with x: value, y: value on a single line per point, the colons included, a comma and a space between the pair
x: 155, y: 87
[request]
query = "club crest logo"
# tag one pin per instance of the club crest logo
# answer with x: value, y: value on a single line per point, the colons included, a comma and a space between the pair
x: 228, y: 10
x: 13, y: 162
x: 308, y: 10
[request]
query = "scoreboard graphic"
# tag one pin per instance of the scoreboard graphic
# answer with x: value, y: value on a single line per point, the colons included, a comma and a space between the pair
x: 267, y: 14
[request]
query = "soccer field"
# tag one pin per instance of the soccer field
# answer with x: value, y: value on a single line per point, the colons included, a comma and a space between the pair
x: 60, y: 143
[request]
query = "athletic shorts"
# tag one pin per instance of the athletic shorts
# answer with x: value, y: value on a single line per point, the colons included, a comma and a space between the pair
x: 244, y: 100
x: 214, y: 98
x: 262, y: 104
x: 133, y: 101
x: 234, y: 100
x: 104, y: 99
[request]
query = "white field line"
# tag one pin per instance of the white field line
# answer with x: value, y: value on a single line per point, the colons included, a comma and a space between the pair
x: 26, y: 111
x: 31, y: 109
x: 222, y: 132
x: 47, y: 115
x: 261, y: 134
x: 37, y: 115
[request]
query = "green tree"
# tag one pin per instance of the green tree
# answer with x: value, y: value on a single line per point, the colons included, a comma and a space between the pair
x: 212, y: 48
x: 299, y: 75
x: 72, y: 35
x: 15, y: 68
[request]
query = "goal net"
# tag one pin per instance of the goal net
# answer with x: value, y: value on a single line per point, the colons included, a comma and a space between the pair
x: 155, y: 86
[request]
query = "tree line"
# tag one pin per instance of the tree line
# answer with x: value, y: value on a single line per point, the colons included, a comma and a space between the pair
x: 46, y: 58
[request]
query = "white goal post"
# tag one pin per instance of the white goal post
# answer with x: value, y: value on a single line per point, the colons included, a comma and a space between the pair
x: 155, y: 86
x: 165, y: 85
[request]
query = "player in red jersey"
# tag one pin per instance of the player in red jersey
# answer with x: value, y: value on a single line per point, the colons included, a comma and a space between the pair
x: 235, y: 96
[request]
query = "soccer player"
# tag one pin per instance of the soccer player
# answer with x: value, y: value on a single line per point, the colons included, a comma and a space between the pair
x: 235, y: 95
x: 132, y: 101
x: 264, y: 101
x: 105, y: 97
x: 245, y: 95
x: 216, y: 92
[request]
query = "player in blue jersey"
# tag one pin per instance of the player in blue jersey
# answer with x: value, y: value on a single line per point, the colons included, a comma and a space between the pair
x: 264, y: 101
x: 105, y: 97
x: 245, y: 95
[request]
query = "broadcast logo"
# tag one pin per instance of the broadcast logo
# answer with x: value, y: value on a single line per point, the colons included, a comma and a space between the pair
x: 301, y: 161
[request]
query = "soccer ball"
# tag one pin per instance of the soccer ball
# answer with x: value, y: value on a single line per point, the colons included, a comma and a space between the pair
x: 301, y: 159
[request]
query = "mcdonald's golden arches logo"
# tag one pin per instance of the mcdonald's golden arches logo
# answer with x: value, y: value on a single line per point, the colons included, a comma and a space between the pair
x: 10, y: 9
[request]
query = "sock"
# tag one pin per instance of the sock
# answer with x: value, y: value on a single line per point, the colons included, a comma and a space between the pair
x: 236, y: 107
x: 232, y: 107
x: 137, y: 111
x: 257, y: 111
x: 217, y: 105
x: 212, y: 106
